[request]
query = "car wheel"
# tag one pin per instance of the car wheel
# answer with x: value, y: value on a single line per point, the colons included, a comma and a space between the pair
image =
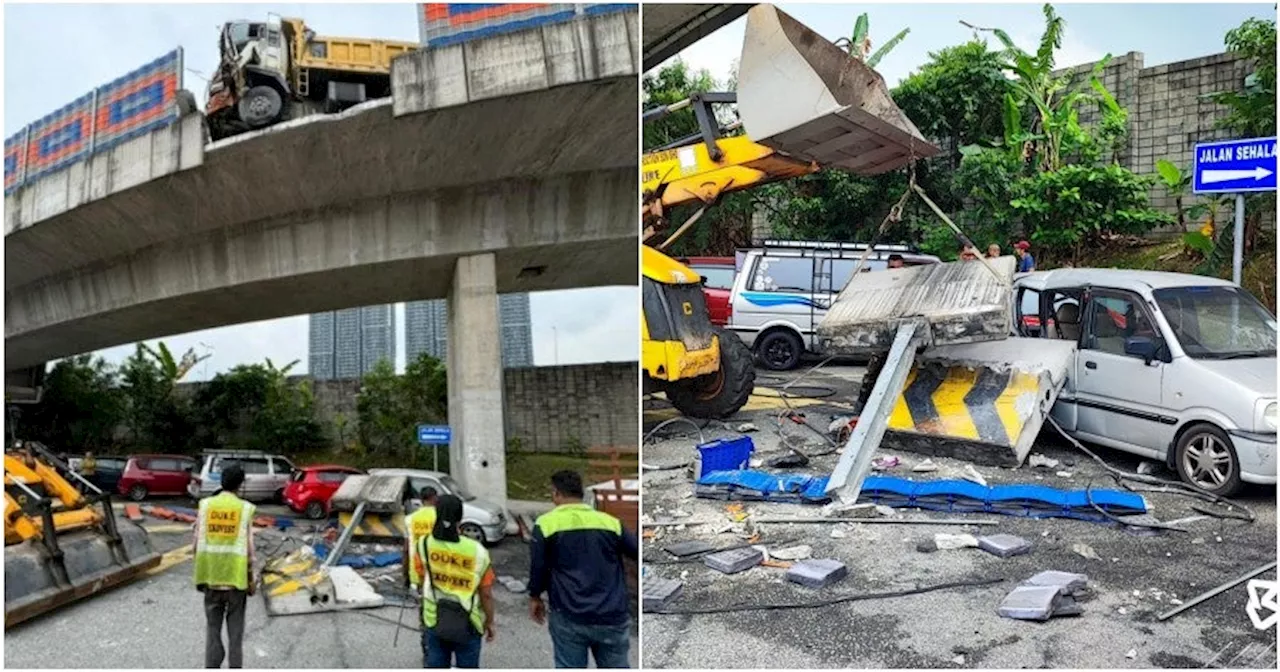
x: 472, y: 530
x: 780, y: 350
x: 1207, y: 460
x: 138, y: 492
x: 315, y: 511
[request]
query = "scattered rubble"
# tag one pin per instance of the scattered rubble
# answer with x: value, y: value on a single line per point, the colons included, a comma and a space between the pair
x: 1038, y: 460
x: 971, y: 474
x: 685, y: 549
x: 656, y: 593
x: 1085, y: 551
x: 734, y: 560
x: 817, y: 573
x: 1004, y: 545
x: 800, y: 552
x: 924, y: 467
x: 950, y: 542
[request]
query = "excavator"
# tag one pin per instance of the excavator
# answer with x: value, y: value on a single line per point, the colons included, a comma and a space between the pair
x: 803, y: 104
x: 280, y: 69
x: 61, y: 543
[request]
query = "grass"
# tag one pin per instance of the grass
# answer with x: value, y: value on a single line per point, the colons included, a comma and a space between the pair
x: 528, y: 473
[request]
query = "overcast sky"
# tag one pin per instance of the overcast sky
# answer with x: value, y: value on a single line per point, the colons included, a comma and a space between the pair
x: 1164, y: 33
x: 98, y: 43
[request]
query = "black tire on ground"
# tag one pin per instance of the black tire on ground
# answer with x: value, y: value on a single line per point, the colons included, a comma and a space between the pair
x: 780, y: 350
x: 1206, y: 459
x: 720, y: 394
x: 138, y: 492
x: 261, y: 106
x: 315, y: 511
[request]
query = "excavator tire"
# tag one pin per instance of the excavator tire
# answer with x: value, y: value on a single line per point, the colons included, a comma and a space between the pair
x: 260, y: 107
x: 33, y: 583
x: 721, y: 394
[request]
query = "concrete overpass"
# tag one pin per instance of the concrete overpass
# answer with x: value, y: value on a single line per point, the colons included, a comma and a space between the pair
x: 670, y: 29
x: 499, y: 165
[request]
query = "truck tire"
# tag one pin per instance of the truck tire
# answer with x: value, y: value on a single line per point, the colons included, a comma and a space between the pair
x: 721, y: 394
x: 261, y: 106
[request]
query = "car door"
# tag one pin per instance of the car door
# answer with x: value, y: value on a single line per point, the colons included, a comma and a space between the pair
x: 1119, y: 395
x: 281, y: 468
x: 161, y: 471
x: 257, y: 478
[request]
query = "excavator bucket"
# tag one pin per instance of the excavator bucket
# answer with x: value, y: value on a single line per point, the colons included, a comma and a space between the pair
x: 804, y: 96
x: 35, y: 581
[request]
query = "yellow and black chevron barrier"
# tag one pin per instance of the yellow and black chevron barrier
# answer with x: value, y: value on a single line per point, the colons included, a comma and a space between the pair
x: 375, y: 527
x: 980, y: 405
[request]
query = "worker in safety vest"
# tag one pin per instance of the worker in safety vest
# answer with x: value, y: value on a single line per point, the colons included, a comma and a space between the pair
x: 420, y: 523
x: 224, y: 567
x: 457, y: 593
x: 577, y: 558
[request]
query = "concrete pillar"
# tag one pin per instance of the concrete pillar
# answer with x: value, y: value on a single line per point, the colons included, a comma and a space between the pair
x: 477, y: 456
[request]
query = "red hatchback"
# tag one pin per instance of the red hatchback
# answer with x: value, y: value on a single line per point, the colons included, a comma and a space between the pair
x: 717, y: 275
x: 310, y: 488
x: 145, y: 475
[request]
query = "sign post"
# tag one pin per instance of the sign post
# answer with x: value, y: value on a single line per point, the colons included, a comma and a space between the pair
x: 435, y: 436
x: 1235, y: 167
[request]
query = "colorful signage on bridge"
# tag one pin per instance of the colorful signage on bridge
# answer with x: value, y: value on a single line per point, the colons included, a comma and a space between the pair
x: 442, y: 24
x: 1235, y: 166
x: 136, y: 103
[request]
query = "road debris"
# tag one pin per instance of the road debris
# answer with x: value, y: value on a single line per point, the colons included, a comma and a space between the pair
x: 800, y: 552
x: 684, y: 549
x: 746, y: 427
x: 951, y: 542
x: 1133, y: 653
x: 971, y: 474
x: 1038, y: 460
x: 1214, y: 592
x: 925, y: 466
x: 1148, y: 468
x: 734, y: 560
x: 657, y: 593
x: 1004, y: 545
x: 886, y: 463
x: 1085, y: 551
x: 817, y: 573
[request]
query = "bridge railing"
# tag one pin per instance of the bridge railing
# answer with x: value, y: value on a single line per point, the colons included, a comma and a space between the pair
x: 139, y: 102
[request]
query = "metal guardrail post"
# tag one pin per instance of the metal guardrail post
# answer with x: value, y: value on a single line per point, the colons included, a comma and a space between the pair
x: 855, y: 460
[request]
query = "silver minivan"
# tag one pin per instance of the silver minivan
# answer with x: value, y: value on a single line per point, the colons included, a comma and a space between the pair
x: 264, y: 475
x: 1173, y: 367
x: 783, y: 290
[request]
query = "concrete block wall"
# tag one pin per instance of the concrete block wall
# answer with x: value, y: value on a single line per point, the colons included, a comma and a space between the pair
x: 547, y: 407
x: 1168, y: 110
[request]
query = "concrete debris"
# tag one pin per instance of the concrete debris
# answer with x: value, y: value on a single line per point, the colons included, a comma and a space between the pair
x: 680, y: 513
x: 1038, y: 460
x: 792, y: 553
x: 657, y: 593
x: 838, y: 423
x: 958, y: 660
x: 1147, y: 468
x: 756, y: 463
x: 1085, y: 551
x: 746, y: 428
x: 512, y: 584
x: 838, y: 533
x: 950, y: 542
x: 927, y: 546
x: 1064, y: 474
x: 924, y: 467
x: 1133, y: 653
x: 818, y: 573
x: 1037, y: 603
x: 1066, y: 582
x: 734, y: 560
x: 685, y: 549
x: 788, y: 461
x: 886, y: 463
x: 1004, y: 545
x: 971, y: 474
x: 886, y: 511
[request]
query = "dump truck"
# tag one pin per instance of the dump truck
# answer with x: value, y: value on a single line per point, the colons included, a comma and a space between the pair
x: 803, y: 104
x: 280, y: 69
x: 61, y: 543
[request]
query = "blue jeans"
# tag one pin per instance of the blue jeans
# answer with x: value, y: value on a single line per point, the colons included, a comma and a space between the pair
x: 608, y: 644
x: 439, y: 654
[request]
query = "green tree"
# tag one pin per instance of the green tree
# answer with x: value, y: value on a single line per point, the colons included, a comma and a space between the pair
x: 1253, y: 108
x: 256, y: 407
x: 859, y: 44
x: 81, y: 407
x: 157, y: 420
x: 390, y: 407
x: 671, y: 84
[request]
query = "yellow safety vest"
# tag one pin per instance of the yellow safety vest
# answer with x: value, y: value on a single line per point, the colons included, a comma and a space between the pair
x: 420, y: 524
x: 222, y: 550
x: 457, y: 568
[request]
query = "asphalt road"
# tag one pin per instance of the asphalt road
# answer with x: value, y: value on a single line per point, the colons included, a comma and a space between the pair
x: 1135, y: 578
x: 158, y: 622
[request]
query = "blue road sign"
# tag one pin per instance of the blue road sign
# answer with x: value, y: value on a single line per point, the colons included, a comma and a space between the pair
x: 1234, y: 166
x: 429, y: 434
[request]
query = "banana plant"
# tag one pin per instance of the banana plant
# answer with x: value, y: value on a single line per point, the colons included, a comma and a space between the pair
x: 859, y: 44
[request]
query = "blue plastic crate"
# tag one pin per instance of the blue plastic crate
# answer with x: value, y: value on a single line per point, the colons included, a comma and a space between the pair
x: 724, y: 455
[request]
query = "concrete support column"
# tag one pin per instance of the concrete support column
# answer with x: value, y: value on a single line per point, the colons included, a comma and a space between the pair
x: 477, y: 456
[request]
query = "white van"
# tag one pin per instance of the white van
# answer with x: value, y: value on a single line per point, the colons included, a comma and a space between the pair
x: 783, y: 290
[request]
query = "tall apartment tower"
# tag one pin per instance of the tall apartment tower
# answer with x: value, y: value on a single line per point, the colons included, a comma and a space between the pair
x: 426, y: 329
x: 348, y: 343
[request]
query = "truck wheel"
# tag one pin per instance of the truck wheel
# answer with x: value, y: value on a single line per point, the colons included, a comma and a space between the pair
x: 1207, y: 460
x: 719, y: 394
x: 261, y: 106
x: 780, y: 350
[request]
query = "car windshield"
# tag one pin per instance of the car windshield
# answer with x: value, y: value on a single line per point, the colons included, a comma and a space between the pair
x: 1218, y: 322
x: 456, y: 489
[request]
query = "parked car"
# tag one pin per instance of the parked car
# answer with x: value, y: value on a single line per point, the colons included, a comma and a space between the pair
x: 482, y: 520
x: 310, y: 488
x: 1172, y: 367
x: 717, y: 283
x: 146, y: 475
x: 783, y: 290
x: 107, y: 471
x: 265, y: 475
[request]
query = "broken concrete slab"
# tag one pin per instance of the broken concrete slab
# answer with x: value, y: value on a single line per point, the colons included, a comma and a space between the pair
x: 656, y: 593
x: 958, y: 302
x: 1031, y: 603
x: 685, y: 549
x: 1004, y: 545
x: 1066, y: 582
x: 817, y: 573
x: 734, y: 560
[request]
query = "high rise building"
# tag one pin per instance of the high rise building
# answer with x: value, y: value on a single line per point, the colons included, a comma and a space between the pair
x: 426, y: 329
x: 348, y: 343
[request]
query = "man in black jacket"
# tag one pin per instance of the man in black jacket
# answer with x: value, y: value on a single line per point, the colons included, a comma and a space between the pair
x: 577, y: 559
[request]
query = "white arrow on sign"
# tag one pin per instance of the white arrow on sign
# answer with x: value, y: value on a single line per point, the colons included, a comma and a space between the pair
x: 1212, y: 176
